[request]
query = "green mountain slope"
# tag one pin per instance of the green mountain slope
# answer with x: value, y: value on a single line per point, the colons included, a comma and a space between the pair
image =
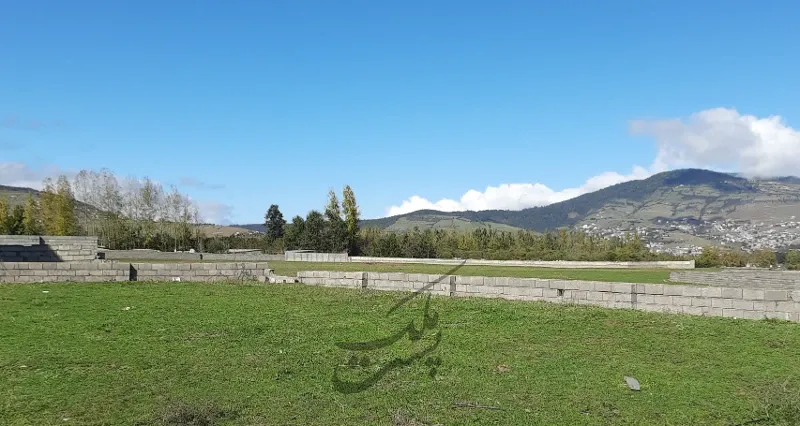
x: 688, y: 194
x: 18, y: 196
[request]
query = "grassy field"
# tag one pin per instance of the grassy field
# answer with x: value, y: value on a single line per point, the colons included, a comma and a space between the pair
x: 202, y: 354
x: 613, y: 275
x: 290, y: 268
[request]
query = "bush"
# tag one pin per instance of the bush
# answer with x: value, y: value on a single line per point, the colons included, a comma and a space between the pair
x: 764, y: 258
x: 793, y: 260
x: 709, y: 258
x: 733, y: 259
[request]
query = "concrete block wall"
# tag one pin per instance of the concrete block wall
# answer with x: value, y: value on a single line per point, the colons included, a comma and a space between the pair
x: 162, y: 255
x: 34, y: 272
x: 300, y: 256
x: 242, y: 257
x: 343, y: 257
x: 19, y: 248
x: 30, y: 272
x: 686, y: 299
x: 244, y: 271
x: 743, y: 278
x: 565, y: 264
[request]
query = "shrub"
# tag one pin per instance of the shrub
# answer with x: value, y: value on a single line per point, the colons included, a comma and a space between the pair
x: 764, y: 258
x: 793, y: 260
x: 709, y: 258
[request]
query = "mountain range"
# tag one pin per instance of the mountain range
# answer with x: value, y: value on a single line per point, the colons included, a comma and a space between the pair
x: 678, y: 209
x: 697, y: 206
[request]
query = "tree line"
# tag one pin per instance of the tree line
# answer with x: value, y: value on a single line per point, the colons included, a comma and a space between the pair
x: 123, y: 213
x: 131, y: 213
x: 336, y: 229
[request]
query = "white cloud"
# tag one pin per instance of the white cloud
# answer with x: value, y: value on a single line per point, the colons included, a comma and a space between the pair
x: 20, y: 174
x: 515, y: 196
x: 724, y: 139
x: 720, y: 139
x: 214, y: 212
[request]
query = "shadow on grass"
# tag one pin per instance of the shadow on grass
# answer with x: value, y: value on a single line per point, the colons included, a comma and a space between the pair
x: 182, y: 413
x: 414, y: 335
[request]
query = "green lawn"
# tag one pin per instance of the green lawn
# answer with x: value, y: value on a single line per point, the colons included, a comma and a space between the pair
x: 614, y: 275
x: 150, y: 353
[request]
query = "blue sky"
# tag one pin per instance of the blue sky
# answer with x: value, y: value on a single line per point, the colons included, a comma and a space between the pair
x: 252, y: 103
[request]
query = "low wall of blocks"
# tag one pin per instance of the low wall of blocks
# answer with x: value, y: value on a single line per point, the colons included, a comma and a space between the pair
x: 25, y: 248
x: 33, y: 272
x: 735, y: 302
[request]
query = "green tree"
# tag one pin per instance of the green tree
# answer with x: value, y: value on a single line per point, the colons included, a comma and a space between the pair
x: 274, y: 223
x: 4, y: 217
x: 352, y: 216
x: 31, y: 218
x: 66, y: 219
x: 793, y: 260
x: 335, y: 235
x: 314, y: 235
x: 295, y: 233
x: 49, y: 207
x: 15, y: 220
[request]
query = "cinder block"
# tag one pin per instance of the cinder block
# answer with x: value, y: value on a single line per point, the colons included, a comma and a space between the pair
x: 752, y: 294
x: 776, y: 295
x: 531, y: 292
x: 503, y: 281
x: 731, y: 293
x: 655, y: 289
x: 557, y: 284
x: 692, y: 291
x: 744, y: 305
x: 779, y: 315
x: 753, y: 315
x: 579, y: 295
x: 603, y: 286
x: 711, y: 292
x: 681, y: 301
x: 622, y: 287
x: 594, y: 295
x: 722, y: 303
x: 673, y: 290
x: 763, y: 305
x: 623, y: 298
x: 646, y: 299
x: 700, y: 301
x: 692, y: 310
x: 398, y: 276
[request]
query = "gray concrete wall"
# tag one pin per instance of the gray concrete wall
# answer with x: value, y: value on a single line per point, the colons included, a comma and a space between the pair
x: 104, y: 271
x: 693, y: 300
x: 160, y: 255
x: 244, y: 271
x: 316, y: 257
x: 23, y: 248
x: 31, y: 272
x: 744, y: 278
x: 343, y: 257
x: 565, y: 264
